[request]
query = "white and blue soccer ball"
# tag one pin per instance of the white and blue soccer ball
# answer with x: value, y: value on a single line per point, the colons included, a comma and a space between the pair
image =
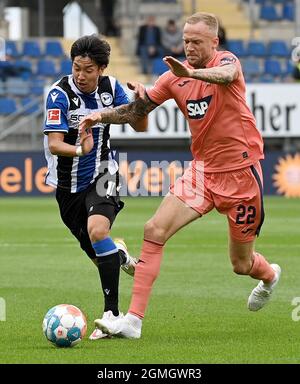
x: 64, y: 325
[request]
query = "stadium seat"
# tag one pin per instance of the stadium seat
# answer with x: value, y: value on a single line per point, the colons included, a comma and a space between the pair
x: 288, y: 12
x: 46, y: 68
x: 273, y: 67
x: 7, y: 106
x: 289, y: 68
x: 237, y: 47
x: 25, y: 68
x: 269, y: 13
x: 251, y: 68
x: 65, y: 67
x: 256, y: 49
x: 31, y: 48
x: 54, y: 49
x: 278, y: 48
x: 11, y: 49
x: 159, y: 67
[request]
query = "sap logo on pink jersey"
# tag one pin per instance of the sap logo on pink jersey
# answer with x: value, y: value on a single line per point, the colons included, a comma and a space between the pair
x: 197, y: 108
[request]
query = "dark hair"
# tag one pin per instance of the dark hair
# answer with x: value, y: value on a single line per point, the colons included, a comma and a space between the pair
x: 91, y: 46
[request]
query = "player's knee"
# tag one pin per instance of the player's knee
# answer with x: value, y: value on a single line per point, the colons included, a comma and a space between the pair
x: 241, y: 267
x: 153, y: 231
x: 97, y: 234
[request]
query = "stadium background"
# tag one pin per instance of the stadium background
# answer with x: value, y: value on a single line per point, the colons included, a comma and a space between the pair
x: 263, y: 33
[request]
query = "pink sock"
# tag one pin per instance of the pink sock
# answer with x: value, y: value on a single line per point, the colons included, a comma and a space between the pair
x: 261, y: 269
x: 145, y: 274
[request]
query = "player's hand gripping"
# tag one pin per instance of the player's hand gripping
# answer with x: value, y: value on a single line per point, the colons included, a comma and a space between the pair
x: 177, y: 67
x: 86, y: 140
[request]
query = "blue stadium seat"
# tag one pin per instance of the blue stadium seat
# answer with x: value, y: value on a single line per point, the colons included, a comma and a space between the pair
x: 269, y: 13
x: 65, y: 67
x: 288, y: 12
x: 31, y: 48
x: 54, y: 49
x: 278, y: 48
x: 159, y: 67
x: 7, y: 106
x: 11, y: 48
x: 289, y: 68
x: 237, y: 47
x: 273, y: 67
x: 256, y: 49
x: 25, y: 68
x: 46, y: 68
x: 251, y: 68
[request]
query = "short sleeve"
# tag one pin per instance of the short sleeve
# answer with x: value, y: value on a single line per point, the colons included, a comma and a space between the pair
x: 121, y: 96
x: 160, y: 92
x: 56, y: 112
x: 228, y: 58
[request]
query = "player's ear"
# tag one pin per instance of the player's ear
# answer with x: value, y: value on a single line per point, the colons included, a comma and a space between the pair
x: 215, y: 42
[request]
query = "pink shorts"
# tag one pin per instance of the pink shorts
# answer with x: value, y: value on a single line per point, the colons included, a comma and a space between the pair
x: 237, y: 194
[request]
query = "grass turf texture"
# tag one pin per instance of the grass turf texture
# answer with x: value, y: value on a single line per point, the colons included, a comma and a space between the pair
x: 197, y: 312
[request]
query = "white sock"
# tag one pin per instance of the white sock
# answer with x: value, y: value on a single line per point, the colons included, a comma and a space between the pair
x: 134, y: 320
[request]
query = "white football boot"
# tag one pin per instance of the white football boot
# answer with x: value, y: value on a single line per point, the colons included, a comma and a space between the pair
x: 130, y: 263
x: 97, y: 333
x: 122, y: 327
x: 261, y: 294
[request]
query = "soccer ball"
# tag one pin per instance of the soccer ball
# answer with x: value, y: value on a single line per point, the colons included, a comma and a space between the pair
x: 64, y: 325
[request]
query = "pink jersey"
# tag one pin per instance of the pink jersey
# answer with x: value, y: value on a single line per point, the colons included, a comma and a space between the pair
x: 223, y: 129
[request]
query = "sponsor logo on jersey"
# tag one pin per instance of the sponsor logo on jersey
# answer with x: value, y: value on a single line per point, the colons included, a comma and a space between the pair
x: 197, y: 108
x: 106, y: 98
x: 183, y: 83
x: 53, y: 117
x: 227, y: 60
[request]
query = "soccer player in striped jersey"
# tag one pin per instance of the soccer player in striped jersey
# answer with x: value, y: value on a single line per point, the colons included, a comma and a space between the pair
x: 209, y: 89
x: 81, y: 166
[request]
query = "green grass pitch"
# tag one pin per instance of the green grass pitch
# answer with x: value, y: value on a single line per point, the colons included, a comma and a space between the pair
x: 197, y: 312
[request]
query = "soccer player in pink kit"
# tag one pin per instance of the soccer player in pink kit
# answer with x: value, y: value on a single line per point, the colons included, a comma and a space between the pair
x: 225, y: 173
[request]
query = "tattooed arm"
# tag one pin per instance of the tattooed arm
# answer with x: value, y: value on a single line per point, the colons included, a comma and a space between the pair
x: 134, y: 114
x: 216, y: 75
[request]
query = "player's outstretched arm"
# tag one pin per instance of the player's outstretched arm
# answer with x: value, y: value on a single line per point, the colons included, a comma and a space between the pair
x: 216, y: 75
x: 133, y: 114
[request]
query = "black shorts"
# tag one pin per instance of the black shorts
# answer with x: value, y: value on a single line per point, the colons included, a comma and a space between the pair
x: 75, y: 208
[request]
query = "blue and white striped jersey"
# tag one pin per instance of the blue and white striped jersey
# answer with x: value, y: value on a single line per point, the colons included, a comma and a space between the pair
x: 65, y: 106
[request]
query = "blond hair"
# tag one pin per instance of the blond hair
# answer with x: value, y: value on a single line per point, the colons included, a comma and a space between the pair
x: 207, y: 18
